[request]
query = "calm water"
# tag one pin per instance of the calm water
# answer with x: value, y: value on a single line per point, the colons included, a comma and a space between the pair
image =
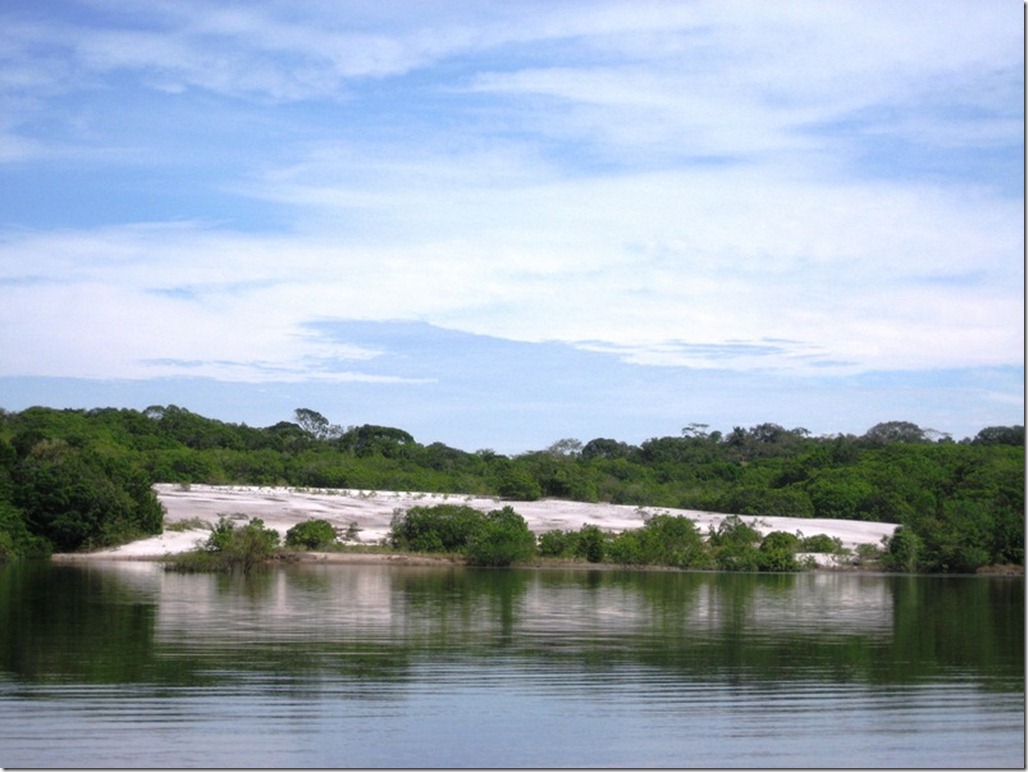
x: 126, y: 665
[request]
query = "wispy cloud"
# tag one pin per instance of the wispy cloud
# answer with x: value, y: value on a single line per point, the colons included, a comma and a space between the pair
x: 798, y: 189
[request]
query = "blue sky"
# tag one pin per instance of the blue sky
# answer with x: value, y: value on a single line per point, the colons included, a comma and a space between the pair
x: 500, y: 224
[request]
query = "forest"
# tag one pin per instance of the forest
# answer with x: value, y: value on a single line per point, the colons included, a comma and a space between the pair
x: 77, y: 479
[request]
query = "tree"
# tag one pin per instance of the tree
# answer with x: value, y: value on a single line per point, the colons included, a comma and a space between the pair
x: 568, y: 446
x: 311, y: 534
x: 77, y: 499
x: 904, y: 550
x: 592, y: 543
x: 440, y: 528
x: 602, y: 447
x: 734, y: 545
x: 1001, y: 435
x: 895, y: 431
x: 517, y: 484
x: 370, y: 440
x: 671, y: 540
x: 504, y: 538
x: 778, y: 552
x: 312, y: 422
x: 229, y: 548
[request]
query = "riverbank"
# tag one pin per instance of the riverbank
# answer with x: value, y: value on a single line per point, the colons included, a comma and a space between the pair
x: 367, y: 515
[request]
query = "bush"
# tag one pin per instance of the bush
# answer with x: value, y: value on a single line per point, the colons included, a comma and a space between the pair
x: 733, y: 543
x: 778, y: 552
x: 821, y: 542
x: 82, y: 500
x: 517, y: 484
x: 503, y: 539
x: 626, y: 549
x: 557, y: 544
x: 903, y: 550
x: 441, y: 528
x: 591, y: 544
x: 668, y: 540
x: 781, y: 540
x: 16, y: 541
x: 311, y: 535
x: 229, y: 548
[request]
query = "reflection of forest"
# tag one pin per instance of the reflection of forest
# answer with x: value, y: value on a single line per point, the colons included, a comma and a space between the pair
x: 124, y: 622
x: 377, y: 601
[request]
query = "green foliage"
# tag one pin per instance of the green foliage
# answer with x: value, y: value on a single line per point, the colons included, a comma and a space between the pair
x: 81, y: 478
x: 557, y: 544
x: 1001, y: 435
x: 16, y: 541
x: 665, y: 540
x: 821, y: 542
x: 591, y: 543
x: 839, y: 497
x: 626, y: 549
x: 778, y: 552
x: 903, y: 550
x: 440, y: 528
x: 79, y: 499
x: 504, y: 538
x: 231, y: 548
x: 768, y: 502
x: 518, y: 484
x: 498, y: 538
x: 734, y: 545
x: 311, y: 535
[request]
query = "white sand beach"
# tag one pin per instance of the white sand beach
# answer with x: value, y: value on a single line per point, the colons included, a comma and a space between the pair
x: 371, y: 512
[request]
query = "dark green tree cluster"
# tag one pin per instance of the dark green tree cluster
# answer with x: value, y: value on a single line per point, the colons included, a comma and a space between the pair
x: 230, y: 548
x: 313, y: 534
x: 66, y: 486
x: 963, y: 500
x: 675, y: 541
x: 497, y: 538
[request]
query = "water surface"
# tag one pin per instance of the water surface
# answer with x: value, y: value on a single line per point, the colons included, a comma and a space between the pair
x: 124, y: 664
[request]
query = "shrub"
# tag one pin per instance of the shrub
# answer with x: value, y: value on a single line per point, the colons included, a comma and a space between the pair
x: 557, y: 544
x: 626, y: 549
x: 79, y: 499
x: 734, y: 545
x: 440, y: 528
x: 504, y: 538
x: 517, y: 484
x: 311, y: 535
x: 821, y: 542
x: 776, y: 559
x: 671, y: 540
x: 229, y: 548
x: 591, y: 544
x: 16, y: 541
x: 903, y: 550
x: 778, y: 552
x: 780, y: 540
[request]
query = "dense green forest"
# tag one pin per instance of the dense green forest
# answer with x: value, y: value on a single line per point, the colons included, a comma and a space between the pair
x: 81, y: 479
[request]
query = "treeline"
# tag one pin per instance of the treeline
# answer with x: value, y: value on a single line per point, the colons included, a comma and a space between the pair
x: 502, y: 537
x: 73, y: 479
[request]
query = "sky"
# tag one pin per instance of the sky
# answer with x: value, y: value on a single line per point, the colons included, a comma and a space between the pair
x: 496, y: 225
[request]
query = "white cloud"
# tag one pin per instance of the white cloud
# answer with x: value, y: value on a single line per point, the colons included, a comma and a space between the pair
x: 661, y: 181
x: 876, y: 276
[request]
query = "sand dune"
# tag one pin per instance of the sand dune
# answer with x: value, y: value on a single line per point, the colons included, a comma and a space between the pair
x: 372, y: 511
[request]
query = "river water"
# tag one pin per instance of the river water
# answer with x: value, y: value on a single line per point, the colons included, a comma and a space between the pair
x: 126, y: 665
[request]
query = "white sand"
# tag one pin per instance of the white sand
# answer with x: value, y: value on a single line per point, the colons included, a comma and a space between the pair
x: 371, y: 511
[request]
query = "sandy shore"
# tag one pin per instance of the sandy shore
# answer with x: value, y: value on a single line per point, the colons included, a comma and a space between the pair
x: 370, y: 512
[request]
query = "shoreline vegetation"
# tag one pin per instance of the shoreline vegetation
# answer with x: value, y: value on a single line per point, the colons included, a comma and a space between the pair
x: 124, y: 484
x: 435, y: 529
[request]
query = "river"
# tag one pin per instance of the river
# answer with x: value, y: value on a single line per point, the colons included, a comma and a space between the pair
x: 123, y: 664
